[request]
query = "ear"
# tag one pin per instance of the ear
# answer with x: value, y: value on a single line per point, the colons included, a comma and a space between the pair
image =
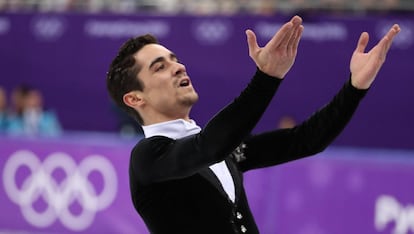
x: 133, y: 99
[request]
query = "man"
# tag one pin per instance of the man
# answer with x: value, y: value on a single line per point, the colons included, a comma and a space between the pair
x: 3, y: 110
x: 185, y: 179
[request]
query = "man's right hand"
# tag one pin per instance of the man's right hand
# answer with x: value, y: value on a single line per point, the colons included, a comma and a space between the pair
x: 277, y: 57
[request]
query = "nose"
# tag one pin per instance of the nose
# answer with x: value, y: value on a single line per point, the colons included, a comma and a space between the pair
x: 179, y: 69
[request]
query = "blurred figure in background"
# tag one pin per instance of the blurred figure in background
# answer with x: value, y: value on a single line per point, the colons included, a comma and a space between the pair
x: 3, y: 110
x: 17, y: 100
x: 205, y: 7
x: 29, y: 116
x: 127, y: 126
x: 287, y: 121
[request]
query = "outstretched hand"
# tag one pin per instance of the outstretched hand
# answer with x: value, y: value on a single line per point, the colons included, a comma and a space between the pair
x: 278, y: 56
x: 365, y: 66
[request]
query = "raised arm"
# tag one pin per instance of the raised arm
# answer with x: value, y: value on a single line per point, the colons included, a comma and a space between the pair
x: 273, y: 60
x: 318, y: 131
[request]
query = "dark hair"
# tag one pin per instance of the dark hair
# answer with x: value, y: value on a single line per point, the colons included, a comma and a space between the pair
x: 122, y: 75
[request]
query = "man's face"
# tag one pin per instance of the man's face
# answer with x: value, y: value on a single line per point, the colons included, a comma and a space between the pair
x: 167, y: 88
x: 33, y: 100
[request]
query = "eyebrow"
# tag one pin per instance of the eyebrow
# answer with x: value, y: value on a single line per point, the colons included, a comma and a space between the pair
x: 161, y: 59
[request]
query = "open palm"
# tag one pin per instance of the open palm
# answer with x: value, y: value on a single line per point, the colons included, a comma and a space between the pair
x: 278, y: 55
x: 364, y: 66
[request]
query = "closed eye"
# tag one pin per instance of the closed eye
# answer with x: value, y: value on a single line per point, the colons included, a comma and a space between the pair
x: 160, y: 67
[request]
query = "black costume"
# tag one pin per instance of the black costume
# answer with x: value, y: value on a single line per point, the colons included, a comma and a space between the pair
x: 173, y: 188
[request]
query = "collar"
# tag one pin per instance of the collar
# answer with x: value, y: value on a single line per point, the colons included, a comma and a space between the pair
x: 174, y: 129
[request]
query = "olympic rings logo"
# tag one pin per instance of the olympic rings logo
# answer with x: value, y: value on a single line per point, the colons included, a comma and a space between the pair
x: 59, y: 196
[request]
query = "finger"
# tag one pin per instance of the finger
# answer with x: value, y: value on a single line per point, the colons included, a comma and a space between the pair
x: 280, y: 35
x: 292, y: 39
x: 297, y: 23
x: 252, y: 42
x: 288, y: 38
x: 296, y: 20
x: 297, y: 37
x: 385, y: 43
x: 395, y: 29
x: 362, y: 42
x: 290, y: 35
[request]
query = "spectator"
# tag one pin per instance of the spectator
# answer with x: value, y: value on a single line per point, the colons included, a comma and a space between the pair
x: 30, y: 117
x: 287, y: 121
x: 127, y: 126
x: 53, y: 5
x: 3, y: 110
x: 17, y: 99
x: 206, y: 7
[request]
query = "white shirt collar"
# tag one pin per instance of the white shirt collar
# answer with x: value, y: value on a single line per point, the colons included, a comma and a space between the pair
x: 174, y: 129
x: 180, y: 128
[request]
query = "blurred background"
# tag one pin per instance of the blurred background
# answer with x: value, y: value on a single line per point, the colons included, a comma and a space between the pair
x: 56, y: 118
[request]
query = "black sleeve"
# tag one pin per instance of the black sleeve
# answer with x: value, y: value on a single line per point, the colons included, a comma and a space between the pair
x: 310, y: 137
x: 160, y: 158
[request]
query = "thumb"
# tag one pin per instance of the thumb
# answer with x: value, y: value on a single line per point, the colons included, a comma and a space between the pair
x: 251, y: 42
x: 362, y: 42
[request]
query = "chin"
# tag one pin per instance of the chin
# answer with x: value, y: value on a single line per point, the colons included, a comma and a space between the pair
x: 190, y: 100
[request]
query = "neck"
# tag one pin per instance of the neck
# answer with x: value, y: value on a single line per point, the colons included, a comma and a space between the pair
x: 161, y: 120
x: 153, y: 118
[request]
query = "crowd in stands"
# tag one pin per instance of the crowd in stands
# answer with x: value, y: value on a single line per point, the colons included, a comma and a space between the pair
x: 204, y: 7
x: 23, y: 113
